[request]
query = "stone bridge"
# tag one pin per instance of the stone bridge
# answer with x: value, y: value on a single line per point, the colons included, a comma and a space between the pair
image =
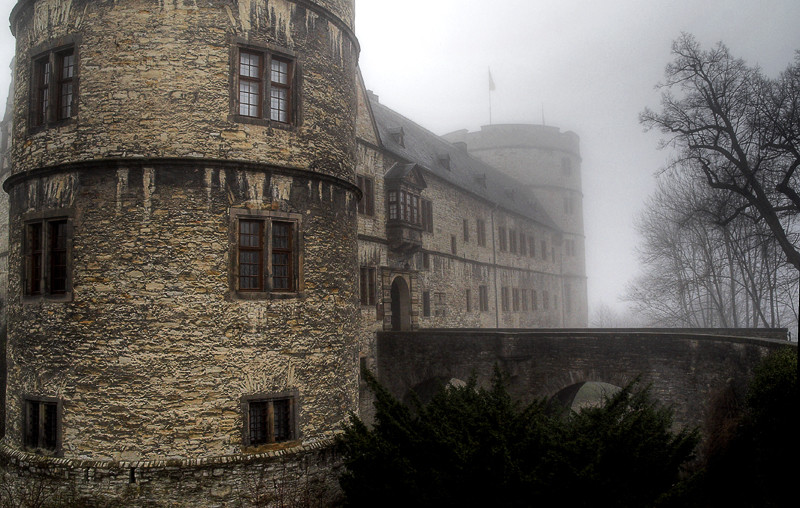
x: 687, y: 368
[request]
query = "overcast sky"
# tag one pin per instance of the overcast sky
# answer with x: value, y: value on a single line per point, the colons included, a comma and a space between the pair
x: 588, y: 66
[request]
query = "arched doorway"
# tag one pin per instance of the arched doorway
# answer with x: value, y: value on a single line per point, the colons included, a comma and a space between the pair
x: 401, y: 305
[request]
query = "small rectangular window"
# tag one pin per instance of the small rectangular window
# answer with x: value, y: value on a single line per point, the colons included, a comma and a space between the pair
x: 47, y: 257
x: 524, y: 299
x: 481, y: 231
x: 483, y: 298
x: 532, y: 246
x: 269, y: 419
x: 468, y: 296
x: 453, y: 244
x: 545, y: 300
x: 367, y: 204
x: 426, y: 303
x: 512, y: 241
x: 265, y: 84
x: 544, y: 250
x: 515, y: 299
x: 368, y: 285
x: 504, y: 297
x: 522, y: 244
x: 466, y: 230
x: 266, y: 255
x: 42, y: 424
x: 427, y: 215
x: 501, y: 234
x: 53, y: 87
x: 534, y: 302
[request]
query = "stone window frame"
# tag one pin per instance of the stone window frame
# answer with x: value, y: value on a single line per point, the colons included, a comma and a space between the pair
x: 480, y: 227
x: 41, y: 402
x: 266, y: 291
x: 466, y: 230
x: 426, y: 213
x: 368, y: 285
x: 468, y: 299
x: 504, y: 299
x: 426, y: 304
x: 45, y: 291
x: 483, y: 298
x: 267, y: 52
x: 453, y: 245
x: 290, y: 395
x: 366, y: 206
x: 501, y: 238
x: 52, y: 54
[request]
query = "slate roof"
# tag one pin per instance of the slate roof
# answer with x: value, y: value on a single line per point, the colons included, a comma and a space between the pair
x: 426, y: 149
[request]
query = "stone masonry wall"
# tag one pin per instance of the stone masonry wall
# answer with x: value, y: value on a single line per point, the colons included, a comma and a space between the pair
x: 152, y: 349
x: 155, y: 80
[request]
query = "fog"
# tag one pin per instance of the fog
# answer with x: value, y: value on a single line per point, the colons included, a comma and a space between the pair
x: 580, y: 65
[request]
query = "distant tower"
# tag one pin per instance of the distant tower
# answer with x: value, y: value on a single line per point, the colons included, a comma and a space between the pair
x: 182, y: 229
x: 548, y: 162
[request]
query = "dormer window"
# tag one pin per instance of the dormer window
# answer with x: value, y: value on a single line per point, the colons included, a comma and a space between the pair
x: 444, y: 161
x: 397, y: 134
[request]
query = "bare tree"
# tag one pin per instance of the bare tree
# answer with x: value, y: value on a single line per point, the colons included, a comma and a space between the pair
x: 704, y: 266
x: 738, y: 131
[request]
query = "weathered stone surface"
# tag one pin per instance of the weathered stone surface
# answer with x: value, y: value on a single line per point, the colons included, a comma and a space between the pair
x: 151, y: 350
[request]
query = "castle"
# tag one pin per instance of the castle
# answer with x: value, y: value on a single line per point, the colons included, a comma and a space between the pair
x: 208, y: 219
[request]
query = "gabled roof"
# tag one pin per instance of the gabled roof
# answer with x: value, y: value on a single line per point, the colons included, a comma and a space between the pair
x: 408, y: 172
x: 452, y: 163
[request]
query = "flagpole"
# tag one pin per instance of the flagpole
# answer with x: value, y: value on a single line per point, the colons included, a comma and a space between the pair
x: 491, y: 89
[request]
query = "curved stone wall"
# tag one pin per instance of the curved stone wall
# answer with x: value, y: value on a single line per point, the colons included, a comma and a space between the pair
x: 152, y: 348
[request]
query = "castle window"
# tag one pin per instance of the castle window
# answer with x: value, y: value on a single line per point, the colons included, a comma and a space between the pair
x: 483, y: 298
x: 54, y: 87
x: 264, y: 86
x: 568, y: 298
x: 453, y: 246
x: 267, y: 253
x: 404, y: 206
x: 532, y: 246
x: 512, y: 241
x: 269, y: 419
x: 545, y: 300
x: 515, y: 299
x: 544, y: 250
x: 427, y: 215
x: 426, y: 261
x: 466, y: 230
x: 367, y: 204
x: 468, y: 297
x: 524, y: 299
x: 42, y: 424
x: 534, y: 302
x: 504, y: 299
x: 522, y: 244
x: 426, y: 303
x: 368, y: 285
x: 481, y: 228
x: 501, y: 234
x: 47, y: 257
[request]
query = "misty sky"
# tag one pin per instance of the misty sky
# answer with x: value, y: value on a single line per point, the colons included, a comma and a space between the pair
x: 588, y: 66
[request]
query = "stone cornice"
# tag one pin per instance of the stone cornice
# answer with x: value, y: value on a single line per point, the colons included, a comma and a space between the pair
x: 190, y: 162
x: 307, y: 4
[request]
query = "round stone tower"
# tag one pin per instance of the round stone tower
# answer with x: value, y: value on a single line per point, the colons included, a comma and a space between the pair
x: 548, y: 163
x: 182, y: 229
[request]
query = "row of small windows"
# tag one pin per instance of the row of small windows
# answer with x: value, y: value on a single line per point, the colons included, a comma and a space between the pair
x: 517, y: 299
x: 408, y: 207
x: 267, y: 419
x: 264, y: 86
x: 267, y: 255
